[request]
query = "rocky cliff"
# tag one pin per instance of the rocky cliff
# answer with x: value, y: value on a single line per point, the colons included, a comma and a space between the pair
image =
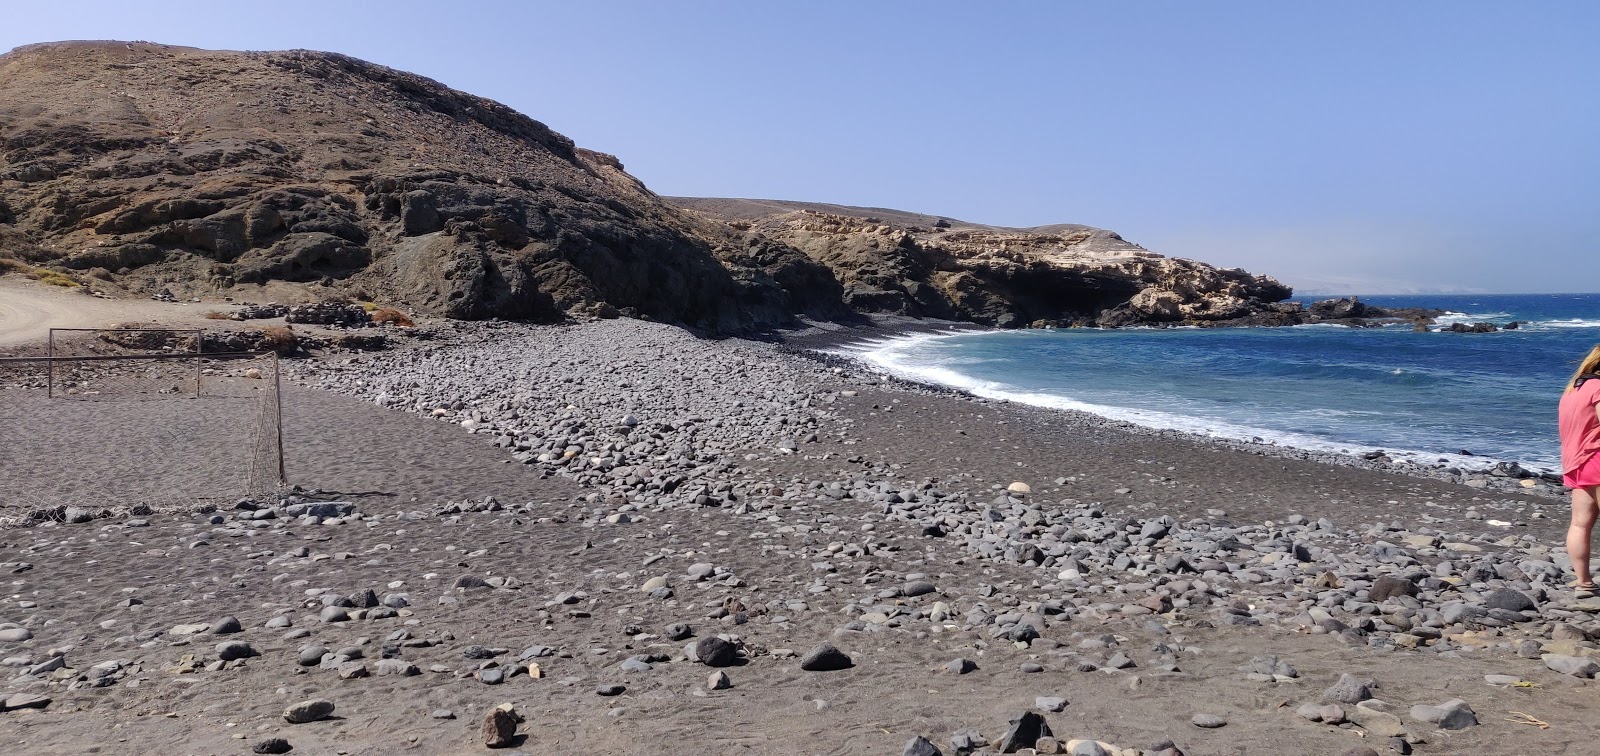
x: 299, y: 175
x: 214, y: 172
x: 928, y: 266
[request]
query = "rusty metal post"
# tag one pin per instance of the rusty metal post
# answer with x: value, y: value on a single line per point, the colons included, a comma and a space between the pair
x: 197, y: 340
x: 277, y: 408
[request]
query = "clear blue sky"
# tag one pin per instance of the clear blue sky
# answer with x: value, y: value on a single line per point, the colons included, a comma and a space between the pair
x: 1369, y: 146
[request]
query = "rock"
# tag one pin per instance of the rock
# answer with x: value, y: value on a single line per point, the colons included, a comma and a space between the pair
x: 716, y: 652
x: 398, y: 667
x: 225, y: 626
x: 1049, y: 703
x: 660, y: 581
x: 1349, y: 690
x: 610, y: 690
x: 1020, y: 488
x: 334, y: 614
x: 353, y: 671
x: 308, y: 711
x: 960, y: 666
x: 492, y: 675
x: 678, y: 632
x: 1025, y: 731
x: 1373, y: 716
x: 1387, y: 587
x: 1208, y: 721
x: 919, y: 746
x: 271, y: 745
x: 311, y: 656
x: 965, y: 741
x: 1509, y: 600
x: 234, y: 650
x: 500, y: 726
x: 825, y: 658
x: 15, y: 635
x: 24, y: 701
x: 917, y: 588
x: 1576, y: 666
x: 1087, y: 748
x: 718, y: 681
x: 443, y: 714
x: 1454, y: 714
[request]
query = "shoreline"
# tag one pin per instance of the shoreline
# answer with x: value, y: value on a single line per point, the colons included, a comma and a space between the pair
x: 618, y: 494
x: 834, y: 346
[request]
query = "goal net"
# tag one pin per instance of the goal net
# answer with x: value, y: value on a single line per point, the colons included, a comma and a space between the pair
x: 136, y: 420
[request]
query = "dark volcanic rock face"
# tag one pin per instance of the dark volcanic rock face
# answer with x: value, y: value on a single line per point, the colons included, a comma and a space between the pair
x: 202, y: 171
x: 896, y: 262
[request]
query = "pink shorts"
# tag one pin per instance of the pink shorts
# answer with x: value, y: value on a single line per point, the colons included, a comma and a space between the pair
x: 1587, y: 474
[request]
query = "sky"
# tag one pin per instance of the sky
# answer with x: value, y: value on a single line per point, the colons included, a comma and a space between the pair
x: 1366, y: 147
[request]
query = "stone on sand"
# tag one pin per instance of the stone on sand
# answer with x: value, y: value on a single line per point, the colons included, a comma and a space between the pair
x: 271, y: 745
x: 1454, y: 714
x: 1349, y: 690
x: 1025, y: 730
x: 1576, y: 666
x: 500, y: 726
x: 308, y: 711
x: 825, y: 658
x: 716, y: 652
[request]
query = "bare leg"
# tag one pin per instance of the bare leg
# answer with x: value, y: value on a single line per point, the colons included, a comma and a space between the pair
x: 1583, y: 515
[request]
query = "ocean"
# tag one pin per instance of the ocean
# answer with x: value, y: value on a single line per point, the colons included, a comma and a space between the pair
x: 1437, y: 398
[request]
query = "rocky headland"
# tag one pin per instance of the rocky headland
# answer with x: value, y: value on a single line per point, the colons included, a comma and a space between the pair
x: 137, y: 169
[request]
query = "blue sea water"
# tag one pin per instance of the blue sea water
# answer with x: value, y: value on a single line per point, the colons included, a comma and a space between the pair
x: 1426, y: 397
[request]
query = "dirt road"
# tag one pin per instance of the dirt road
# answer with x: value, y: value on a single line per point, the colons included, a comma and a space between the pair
x: 29, y: 310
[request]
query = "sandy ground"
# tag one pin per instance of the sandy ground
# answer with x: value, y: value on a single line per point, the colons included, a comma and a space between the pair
x: 28, y: 310
x: 576, y: 589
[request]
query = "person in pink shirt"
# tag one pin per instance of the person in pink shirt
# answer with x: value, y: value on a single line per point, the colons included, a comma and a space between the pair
x: 1579, y: 415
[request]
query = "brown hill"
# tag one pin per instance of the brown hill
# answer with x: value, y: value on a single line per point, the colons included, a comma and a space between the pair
x: 305, y: 175
x: 208, y: 172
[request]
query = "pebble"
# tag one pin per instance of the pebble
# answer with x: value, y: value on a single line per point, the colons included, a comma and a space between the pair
x: 920, y: 746
x: 225, y: 626
x: 231, y: 650
x: 1025, y: 730
x: 15, y: 635
x: 1576, y: 666
x: 825, y: 658
x: 1208, y: 721
x: 1454, y: 714
x: 308, y: 711
x: 271, y: 745
x: 1349, y: 690
x: 716, y: 652
x: 500, y: 726
x: 610, y: 690
x: 960, y: 666
x: 1049, y: 703
x: 718, y: 681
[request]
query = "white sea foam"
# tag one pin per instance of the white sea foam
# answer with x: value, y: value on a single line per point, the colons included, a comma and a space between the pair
x: 905, y: 357
x: 1537, y: 325
x: 1451, y: 318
